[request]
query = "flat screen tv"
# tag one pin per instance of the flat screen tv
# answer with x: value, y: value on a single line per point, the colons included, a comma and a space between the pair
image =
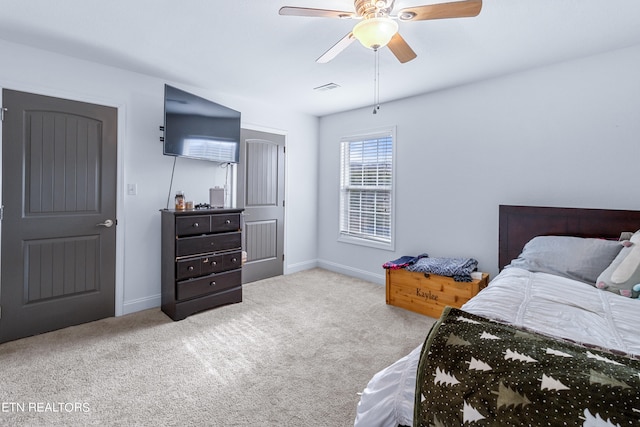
x: 197, y: 128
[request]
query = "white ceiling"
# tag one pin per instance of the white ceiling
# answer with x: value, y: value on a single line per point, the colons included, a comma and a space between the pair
x: 244, y: 48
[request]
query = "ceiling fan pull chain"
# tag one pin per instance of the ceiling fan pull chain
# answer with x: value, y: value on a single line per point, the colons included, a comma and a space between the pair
x: 376, y: 82
x: 378, y: 79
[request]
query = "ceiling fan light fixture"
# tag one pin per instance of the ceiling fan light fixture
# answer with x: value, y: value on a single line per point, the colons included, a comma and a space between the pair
x: 375, y: 33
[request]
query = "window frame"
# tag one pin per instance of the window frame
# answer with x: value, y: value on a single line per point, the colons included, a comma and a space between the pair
x: 367, y: 240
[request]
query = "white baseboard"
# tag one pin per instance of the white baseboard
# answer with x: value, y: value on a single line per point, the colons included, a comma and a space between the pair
x: 353, y: 272
x: 300, y: 266
x: 141, y: 304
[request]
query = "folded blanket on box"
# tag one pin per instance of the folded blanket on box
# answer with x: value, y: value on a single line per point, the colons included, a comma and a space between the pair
x: 403, y: 261
x: 458, y: 268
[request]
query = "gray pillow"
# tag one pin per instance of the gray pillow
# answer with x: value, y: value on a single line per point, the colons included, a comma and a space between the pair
x: 573, y: 257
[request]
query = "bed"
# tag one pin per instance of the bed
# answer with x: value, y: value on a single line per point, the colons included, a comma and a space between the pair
x: 551, y: 341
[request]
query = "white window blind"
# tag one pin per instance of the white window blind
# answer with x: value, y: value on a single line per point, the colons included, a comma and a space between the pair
x: 366, y: 186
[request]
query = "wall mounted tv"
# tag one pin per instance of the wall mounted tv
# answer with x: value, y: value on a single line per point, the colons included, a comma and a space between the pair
x: 197, y: 128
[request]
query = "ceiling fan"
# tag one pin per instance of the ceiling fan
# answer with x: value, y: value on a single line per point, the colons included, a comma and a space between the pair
x: 377, y: 27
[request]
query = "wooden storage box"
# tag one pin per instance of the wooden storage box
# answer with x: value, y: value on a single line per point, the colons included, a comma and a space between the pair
x: 427, y: 293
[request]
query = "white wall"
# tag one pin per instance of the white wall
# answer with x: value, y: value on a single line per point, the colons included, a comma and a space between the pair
x: 139, y: 100
x: 564, y: 135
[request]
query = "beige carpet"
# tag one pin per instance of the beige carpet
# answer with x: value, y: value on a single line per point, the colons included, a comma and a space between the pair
x: 295, y: 352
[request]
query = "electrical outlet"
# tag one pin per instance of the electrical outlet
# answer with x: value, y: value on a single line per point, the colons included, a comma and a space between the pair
x: 132, y: 189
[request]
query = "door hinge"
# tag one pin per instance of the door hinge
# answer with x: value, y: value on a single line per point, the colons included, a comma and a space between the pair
x: 283, y: 203
x: 282, y: 257
x: 1, y: 213
x: 2, y: 111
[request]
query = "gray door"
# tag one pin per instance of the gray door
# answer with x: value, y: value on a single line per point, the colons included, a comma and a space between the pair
x: 59, y: 194
x: 261, y: 192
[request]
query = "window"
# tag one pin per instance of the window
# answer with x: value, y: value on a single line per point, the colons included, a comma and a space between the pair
x: 366, y: 189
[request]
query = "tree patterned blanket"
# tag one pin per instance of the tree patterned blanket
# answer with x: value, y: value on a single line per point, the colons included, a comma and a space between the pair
x: 477, y: 372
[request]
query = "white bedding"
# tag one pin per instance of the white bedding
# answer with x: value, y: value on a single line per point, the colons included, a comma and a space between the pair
x: 543, y: 302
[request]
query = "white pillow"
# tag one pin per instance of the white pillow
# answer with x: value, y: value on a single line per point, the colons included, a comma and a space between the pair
x: 624, y: 272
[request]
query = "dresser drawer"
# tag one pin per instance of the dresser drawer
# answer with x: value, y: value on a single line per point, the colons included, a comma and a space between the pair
x: 209, y: 284
x: 192, y: 225
x: 232, y: 260
x: 188, y: 268
x: 212, y: 264
x: 209, y: 243
x: 225, y: 222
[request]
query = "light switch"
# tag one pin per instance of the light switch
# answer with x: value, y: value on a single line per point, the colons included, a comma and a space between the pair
x: 132, y: 189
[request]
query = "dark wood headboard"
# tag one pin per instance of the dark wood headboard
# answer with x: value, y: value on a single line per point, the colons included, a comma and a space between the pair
x: 519, y: 224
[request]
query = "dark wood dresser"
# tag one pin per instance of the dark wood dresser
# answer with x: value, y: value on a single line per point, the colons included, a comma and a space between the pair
x: 201, y: 260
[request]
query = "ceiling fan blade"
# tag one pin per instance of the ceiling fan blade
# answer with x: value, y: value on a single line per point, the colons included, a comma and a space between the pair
x: 401, y: 49
x: 336, y: 49
x: 320, y: 13
x: 458, y: 9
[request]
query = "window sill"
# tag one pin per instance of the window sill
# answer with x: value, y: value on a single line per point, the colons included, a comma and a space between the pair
x: 365, y: 242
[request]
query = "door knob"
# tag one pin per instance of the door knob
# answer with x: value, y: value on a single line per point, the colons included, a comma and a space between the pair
x: 108, y: 223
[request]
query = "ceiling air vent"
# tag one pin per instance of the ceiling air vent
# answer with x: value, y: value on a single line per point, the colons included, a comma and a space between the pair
x: 328, y: 86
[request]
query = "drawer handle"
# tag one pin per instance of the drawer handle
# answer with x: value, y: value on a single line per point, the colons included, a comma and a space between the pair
x: 196, y: 225
x: 213, y: 283
x: 427, y: 275
x: 190, y: 268
x: 234, y: 259
x: 206, y: 260
x: 228, y: 221
x: 214, y: 263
